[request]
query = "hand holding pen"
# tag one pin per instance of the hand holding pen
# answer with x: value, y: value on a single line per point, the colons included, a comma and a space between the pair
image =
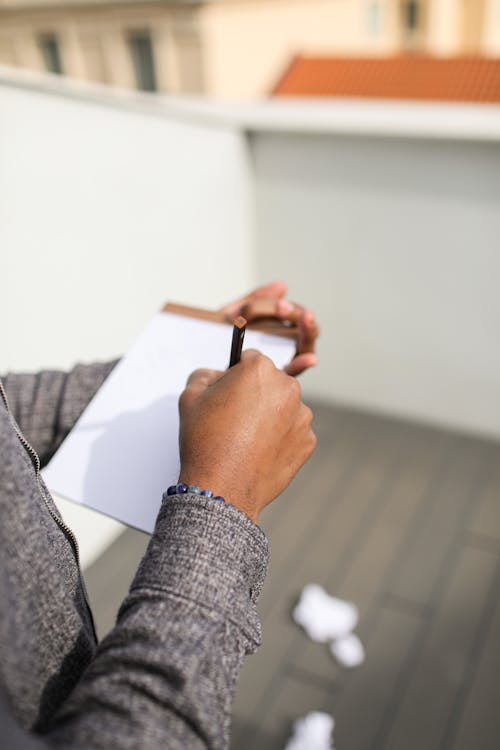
x: 244, y: 433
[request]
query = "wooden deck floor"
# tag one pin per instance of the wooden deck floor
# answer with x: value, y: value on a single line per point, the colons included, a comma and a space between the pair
x: 404, y: 520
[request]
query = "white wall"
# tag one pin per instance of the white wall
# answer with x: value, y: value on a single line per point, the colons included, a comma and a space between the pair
x: 396, y: 243
x: 106, y: 211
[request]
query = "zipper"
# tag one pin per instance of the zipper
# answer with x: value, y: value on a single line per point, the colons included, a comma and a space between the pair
x: 69, y: 534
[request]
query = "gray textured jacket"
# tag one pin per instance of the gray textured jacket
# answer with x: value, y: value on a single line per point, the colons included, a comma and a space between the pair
x: 164, y: 677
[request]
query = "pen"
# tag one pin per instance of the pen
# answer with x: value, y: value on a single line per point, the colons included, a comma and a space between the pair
x: 239, y: 328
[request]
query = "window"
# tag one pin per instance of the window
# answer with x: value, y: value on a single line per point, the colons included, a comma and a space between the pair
x: 141, y: 49
x: 411, y: 13
x: 49, y: 47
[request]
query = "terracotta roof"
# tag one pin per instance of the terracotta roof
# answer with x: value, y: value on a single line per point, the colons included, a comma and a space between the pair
x: 457, y: 79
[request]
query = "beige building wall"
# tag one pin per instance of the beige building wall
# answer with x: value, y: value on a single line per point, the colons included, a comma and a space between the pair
x: 464, y: 27
x: 249, y: 43
x: 445, y: 29
x: 473, y: 24
x: 491, y: 34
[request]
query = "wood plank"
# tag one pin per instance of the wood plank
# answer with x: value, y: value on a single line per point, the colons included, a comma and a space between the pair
x: 345, y: 484
x: 486, y: 520
x: 426, y: 695
x: 478, y: 721
x: 363, y: 579
x: 271, y: 731
x: 260, y: 670
x: 367, y: 692
x: 300, y: 510
x: 445, y: 515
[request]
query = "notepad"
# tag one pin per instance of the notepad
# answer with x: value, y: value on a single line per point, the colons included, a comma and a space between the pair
x: 122, y: 454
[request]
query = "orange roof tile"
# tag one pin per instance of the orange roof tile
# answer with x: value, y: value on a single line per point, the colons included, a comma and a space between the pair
x: 457, y: 79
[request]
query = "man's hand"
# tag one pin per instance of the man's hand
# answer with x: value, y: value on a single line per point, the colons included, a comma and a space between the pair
x: 244, y: 433
x: 268, y: 302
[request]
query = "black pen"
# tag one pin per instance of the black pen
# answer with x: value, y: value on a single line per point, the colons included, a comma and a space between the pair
x: 239, y: 328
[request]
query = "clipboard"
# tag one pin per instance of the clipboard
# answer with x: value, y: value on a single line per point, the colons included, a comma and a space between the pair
x: 264, y: 325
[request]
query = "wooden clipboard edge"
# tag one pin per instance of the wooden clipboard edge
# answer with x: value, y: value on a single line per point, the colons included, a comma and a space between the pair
x: 266, y: 325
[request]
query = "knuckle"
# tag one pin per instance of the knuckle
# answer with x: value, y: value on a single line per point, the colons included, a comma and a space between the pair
x: 267, y: 361
x: 294, y: 388
x: 250, y: 355
x: 308, y: 414
x: 263, y: 363
x: 311, y: 443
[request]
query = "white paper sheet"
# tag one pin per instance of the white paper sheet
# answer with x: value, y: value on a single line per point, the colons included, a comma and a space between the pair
x: 123, y: 452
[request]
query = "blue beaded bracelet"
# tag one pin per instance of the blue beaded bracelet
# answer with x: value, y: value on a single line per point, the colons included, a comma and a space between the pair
x: 182, y: 489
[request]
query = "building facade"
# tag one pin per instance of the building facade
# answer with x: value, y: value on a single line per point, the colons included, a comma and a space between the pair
x: 230, y: 48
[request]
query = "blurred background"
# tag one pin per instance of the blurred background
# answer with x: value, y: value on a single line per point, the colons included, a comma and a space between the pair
x: 188, y: 151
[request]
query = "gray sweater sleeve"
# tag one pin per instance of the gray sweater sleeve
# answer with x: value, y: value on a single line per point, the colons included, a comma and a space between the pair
x: 47, y: 404
x: 164, y: 677
x: 166, y: 674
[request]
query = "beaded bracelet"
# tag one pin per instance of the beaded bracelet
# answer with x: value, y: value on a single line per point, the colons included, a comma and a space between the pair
x: 181, y: 489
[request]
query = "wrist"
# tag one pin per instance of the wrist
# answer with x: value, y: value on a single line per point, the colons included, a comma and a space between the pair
x: 220, y: 488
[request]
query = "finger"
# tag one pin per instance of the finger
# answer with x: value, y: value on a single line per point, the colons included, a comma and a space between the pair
x: 300, y: 363
x: 308, y: 332
x: 289, y: 311
x: 282, y: 309
x: 202, y: 378
x: 308, y: 329
x: 276, y: 290
x: 260, y: 308
x: 305, y: 321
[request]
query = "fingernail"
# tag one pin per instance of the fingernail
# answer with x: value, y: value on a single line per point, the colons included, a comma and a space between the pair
x: 285, y: 307
x: 309, y: 317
